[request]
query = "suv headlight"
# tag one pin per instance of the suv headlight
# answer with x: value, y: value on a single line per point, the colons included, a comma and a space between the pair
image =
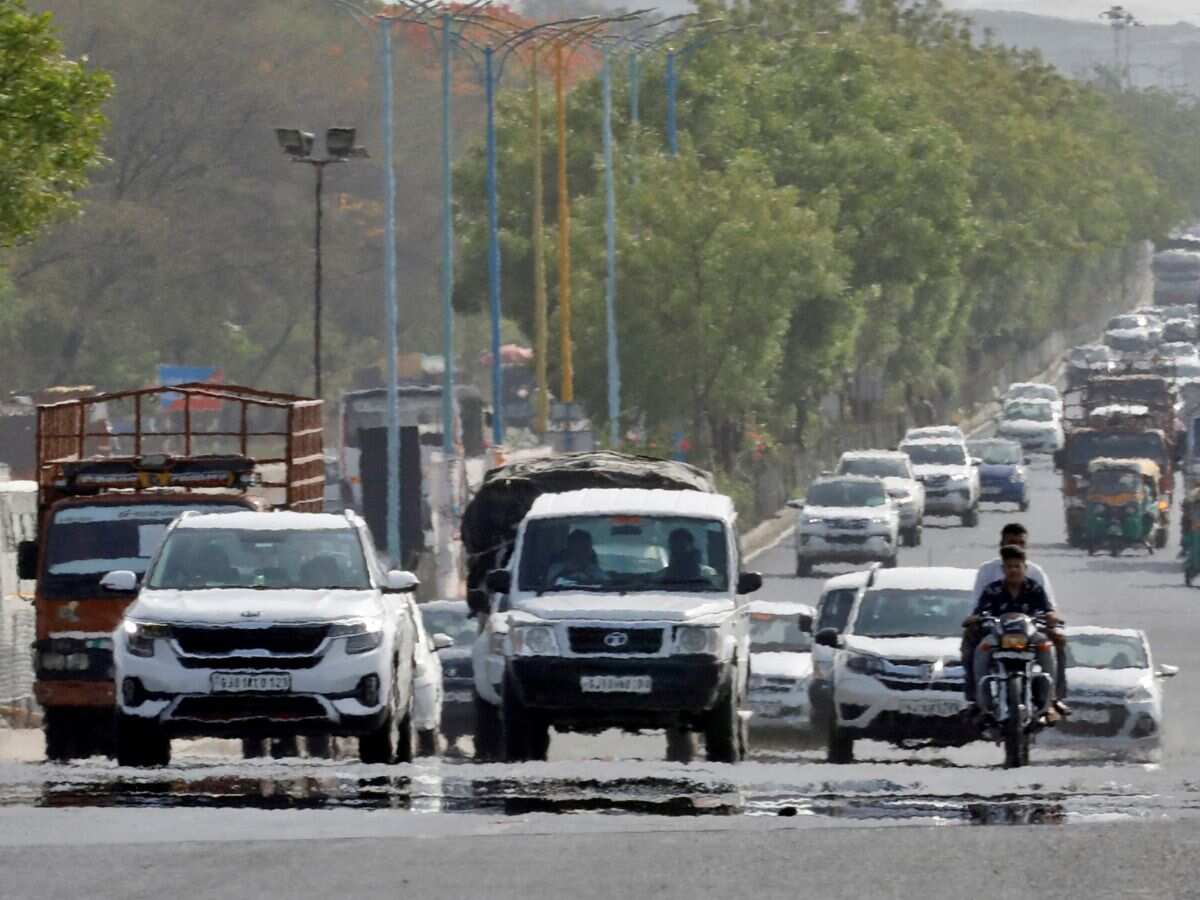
x: 813, y: 520
x: 534, y: 640
x: 695, y: 639
x: 361, y: 635
x: 864, y: 665
x: 140, y: 636
x: 1138, y: 693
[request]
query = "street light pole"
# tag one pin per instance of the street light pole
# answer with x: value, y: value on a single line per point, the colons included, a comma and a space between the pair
x: 392, y: 482
x: 449, y: 438
x: 493, y: 248
x: 610, y: 285
x: 320, y: 169
x: 540, y: 304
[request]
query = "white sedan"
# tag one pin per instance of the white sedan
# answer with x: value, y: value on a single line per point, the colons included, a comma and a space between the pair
x: 1033, y: 423
x: 1114, y: 691
x: 780, y: 670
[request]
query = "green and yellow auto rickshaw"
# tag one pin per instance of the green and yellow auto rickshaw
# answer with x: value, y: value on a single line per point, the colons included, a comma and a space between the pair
x: 1124, y: 508
x: 1191, y: 535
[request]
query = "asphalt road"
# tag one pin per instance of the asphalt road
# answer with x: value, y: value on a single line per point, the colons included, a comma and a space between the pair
x: 606, y: 817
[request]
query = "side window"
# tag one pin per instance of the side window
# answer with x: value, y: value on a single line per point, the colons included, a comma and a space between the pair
x: 835, y: 609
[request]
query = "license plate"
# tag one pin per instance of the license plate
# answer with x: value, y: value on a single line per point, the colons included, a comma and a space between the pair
x: 458, y: 697
x: 930, y: 707
x: 1094, y: 716
x: 615, y: 684
x: 766, y: 709
x: 1013, y: 641
x: 246, y: 682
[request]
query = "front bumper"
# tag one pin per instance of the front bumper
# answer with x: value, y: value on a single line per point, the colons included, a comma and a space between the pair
x: 1108, y: 723
x: 325, y: 696
x: 844, y: 547
x: 682, y: 688
x: 948, y: 499
x: 867, y: 708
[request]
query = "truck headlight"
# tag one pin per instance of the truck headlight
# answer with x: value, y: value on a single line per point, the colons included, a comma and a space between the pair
x: 140, y: 636
x: 694, y: 639
x: 534, y: 640
x: 361, y: 635
x: 864, y: 665
x: 1138, y: 694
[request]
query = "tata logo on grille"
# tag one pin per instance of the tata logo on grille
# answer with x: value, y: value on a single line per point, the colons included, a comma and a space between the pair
x: 615, y: 639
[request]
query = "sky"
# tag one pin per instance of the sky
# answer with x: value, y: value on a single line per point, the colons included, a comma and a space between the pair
x: 1151, y: 12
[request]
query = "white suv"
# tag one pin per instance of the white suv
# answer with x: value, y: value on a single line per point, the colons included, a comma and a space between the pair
x: 845, y: 519
x: 896, y: 672
x: 950, y: 476
x: 265, y: 624
x: 895, y: 468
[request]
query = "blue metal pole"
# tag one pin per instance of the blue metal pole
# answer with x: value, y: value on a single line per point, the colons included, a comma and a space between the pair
x: 394, y: 545
x: 672, y: 134
x: 449, y: 435
x: 610, y: 287
x: 493, y: 252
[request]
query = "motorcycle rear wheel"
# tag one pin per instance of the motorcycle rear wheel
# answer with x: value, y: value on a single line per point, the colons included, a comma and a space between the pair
x: 1016, y: 738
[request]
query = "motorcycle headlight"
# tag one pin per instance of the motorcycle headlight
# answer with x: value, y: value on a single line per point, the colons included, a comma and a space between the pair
x: 697, y: 639
x: 140, y: 636
x: 534, y: 640
x: 865, y: 665
x: 361, y: 634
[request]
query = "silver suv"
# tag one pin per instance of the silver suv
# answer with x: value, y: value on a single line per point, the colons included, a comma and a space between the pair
x: 845, y: 519
x: 896, y: 471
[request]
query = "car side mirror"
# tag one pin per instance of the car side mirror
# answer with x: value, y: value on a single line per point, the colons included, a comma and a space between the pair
x: 442, y: 642
x: 748, y: 582
x: 976, y: 461
x: 499, y: 581
x: 122, y: 581
x: 1167, y: 671
x: 27, y: 558
x: 798, y: 503
x: 805, y: 621
x: 828, y: 637
x: 400, y: 582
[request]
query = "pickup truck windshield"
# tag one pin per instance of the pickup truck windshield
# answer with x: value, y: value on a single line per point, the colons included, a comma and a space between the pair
x: 874, y: 467
x: 918, y: 613
x: 624, y: 553
x: 316, y: 559
x: 936, y: 454
x: 847, y: 493
x: 83, y: 543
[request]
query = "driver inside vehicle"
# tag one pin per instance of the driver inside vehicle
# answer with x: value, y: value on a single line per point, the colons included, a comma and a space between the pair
x: 578, y: 564
x: 683, y: 560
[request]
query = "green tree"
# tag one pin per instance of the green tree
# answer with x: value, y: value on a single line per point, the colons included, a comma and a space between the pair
x: 50, y: 123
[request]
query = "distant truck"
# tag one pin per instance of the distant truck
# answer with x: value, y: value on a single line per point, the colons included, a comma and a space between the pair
x: 107, y: 490
x: 1176, y: 271
x: 613, y: 598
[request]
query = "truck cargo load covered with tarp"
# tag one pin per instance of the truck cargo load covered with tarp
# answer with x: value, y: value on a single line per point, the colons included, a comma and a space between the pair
x: 491, y: 518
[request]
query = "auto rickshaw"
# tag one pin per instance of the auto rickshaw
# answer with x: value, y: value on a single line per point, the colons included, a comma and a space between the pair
x: 1191, y: 536
x: 1124, y: 508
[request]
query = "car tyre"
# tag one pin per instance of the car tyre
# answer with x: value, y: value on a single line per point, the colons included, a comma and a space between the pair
x: 803, y: 567
x: 723, y: 738
x: 319, y: 746
x: 971, y: 517
x: 522, y: 735
x: 379, y: 747
x: 487, y: 731
x: 141, y: 743
x: 840, y: 747
x: 1023, y: 506
x: 681, y: 745
x: 890, y: 562
x: 427, y: 742
x: 253, y: 748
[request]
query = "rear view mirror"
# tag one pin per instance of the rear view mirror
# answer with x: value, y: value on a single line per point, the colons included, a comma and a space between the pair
x: 399, y: 582
x: 1167, y: 671
x: 121, y: 581
x: 976, y: 461
x: 442, y: 642
x: 828, y: 637
x: 499, y: 581
x: 27, y: 557
x: 805, y: 621
x: 749, y: 582
x: 798, y: 503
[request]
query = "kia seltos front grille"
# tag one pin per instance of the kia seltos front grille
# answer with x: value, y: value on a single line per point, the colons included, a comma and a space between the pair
x: 297, y: 640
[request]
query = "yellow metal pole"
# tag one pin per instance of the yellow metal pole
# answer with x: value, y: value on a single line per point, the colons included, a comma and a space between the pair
x: 541, y: 326
x: 564, y: 233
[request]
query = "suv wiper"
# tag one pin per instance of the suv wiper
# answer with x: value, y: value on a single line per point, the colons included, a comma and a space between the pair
x: 558, y: 588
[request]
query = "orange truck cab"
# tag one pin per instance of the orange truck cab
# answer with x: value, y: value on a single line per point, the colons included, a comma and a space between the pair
x: 106, y: 497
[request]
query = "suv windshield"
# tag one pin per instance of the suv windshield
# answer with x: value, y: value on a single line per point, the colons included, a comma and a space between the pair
x: 770, y: 633
x: 310, y: 559
x: 624, y: 553
x: 83, y: 543
x: 874, y: 467
x: 997, y: 453
x: 1106, y: 651
x: 917, y: 613
x: 847, y: 493
x: 936, y: 454
x: 1033, y: 412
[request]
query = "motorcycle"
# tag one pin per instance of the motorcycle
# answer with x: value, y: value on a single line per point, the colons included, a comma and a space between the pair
x: 1015, y: 691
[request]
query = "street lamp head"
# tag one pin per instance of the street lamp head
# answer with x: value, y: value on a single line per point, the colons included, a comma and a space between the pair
x: 294, y: 142
x: 339, y: 143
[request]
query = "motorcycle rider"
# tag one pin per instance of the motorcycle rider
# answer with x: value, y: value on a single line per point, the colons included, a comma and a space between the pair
x: 1014, y: 534
x: 1015, y: 593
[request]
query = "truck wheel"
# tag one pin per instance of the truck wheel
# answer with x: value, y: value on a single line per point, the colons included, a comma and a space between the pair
x: 141, y: 743
x: 681, y: 745
x: 253, y: 748
x: 890, y: 563
x: 516, y: 726
x: 285, y: 747
x: 319, y: 746
x: 803, y: 567
x: 971, y: 517
x: 487, y: 731
x: 61, y: 729
x: 427, y: 742
x: 840, y: 746
x: 722, y: 731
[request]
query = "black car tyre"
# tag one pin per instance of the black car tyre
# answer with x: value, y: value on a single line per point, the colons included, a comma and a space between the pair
x: 840, y: 746
x: 971, y: 517
x: 803, y: 568
x: 141, y: 743
x: 427, y: 742
x: 379, y: 746
x: 253, y: 748
x: 487, y: 731
x: 523, y: 736
x: 681, y: 745
x: 723, y: 738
